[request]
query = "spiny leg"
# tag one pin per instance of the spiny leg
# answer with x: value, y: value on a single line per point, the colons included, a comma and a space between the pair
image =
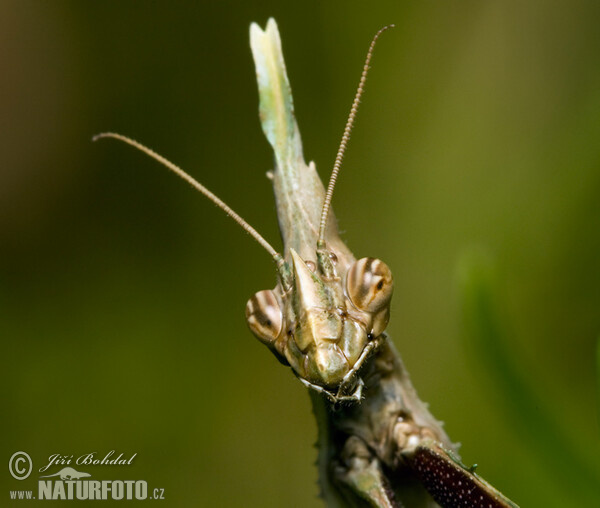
x: 360, y: 472
x: 450, y: 482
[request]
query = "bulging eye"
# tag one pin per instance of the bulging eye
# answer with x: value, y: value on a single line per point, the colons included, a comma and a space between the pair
x: 264, y: 316
x: 370, y: 284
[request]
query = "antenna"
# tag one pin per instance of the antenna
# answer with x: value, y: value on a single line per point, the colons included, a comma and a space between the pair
x: 344, y: 142
x: 198, y: 186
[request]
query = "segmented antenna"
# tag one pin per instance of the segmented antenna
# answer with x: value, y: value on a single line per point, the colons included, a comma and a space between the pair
x: 344, y: 142
x: 197, y: 185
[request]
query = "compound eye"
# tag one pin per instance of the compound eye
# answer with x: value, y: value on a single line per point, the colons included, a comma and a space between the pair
x: 264, y: 316
x: 370, y: 284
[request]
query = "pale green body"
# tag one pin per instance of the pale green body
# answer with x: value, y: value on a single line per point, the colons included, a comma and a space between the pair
x: 390, y: 429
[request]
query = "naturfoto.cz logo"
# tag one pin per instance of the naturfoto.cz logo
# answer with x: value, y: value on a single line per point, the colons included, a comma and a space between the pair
x: 69, y: 483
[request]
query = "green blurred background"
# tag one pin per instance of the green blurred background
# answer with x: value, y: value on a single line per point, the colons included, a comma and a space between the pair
x: 122, y: 291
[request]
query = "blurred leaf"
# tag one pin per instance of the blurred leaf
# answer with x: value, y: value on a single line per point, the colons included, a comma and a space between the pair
x: 486, y: 337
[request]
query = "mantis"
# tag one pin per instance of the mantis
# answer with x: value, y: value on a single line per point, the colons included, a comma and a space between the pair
x: 326, y: 318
